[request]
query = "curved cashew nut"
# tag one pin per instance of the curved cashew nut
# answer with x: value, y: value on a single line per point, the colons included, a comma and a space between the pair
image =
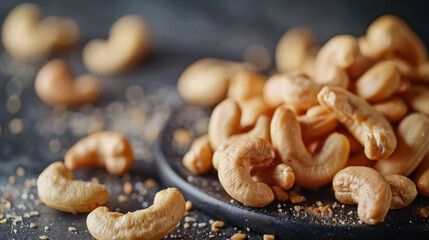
x: 127, y: 44
x: 251, y: 109
x: 418, y: 97
x: 198, y: 159
x: 367, y: 188
x: 57, y: 188
x: 205, y: 82
x: 413, y: 145
x: 152, y: 223
x: 27, y: 38
x: 235, y: 167
x: 316, y: 123
x: 379, y: 82
x: 246, y: 85
x: 310, y: 170
x: 108, y: 150
x: 365, y: 123
x: 280, y: 175
x: 55, y: 85
x: 404, y: 191
x: 394, y: 109
x: 421, y: 177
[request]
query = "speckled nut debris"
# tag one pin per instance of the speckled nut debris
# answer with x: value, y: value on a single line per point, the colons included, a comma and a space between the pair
x: 56, y: 85
x: 26, y: 37
x: 310, y: 170
x: 58, y: 189
x: 421, y: 177
x: 108, y: 150
x: 365, y: 123
x: 235, y: 167
x: 128, y: 43
x: 404, y: 191
x: 152, y: 223
x: 198, y: 159
x: 367, y: 188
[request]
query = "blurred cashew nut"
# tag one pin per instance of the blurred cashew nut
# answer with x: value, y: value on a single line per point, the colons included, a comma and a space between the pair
x: 404, y: 191
x: 246, y: 85
x: 421, y: 177
x: 198, y: 159
x: 394, y: 109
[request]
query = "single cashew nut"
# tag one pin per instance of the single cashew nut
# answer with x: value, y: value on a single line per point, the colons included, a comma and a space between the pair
x: 127, y: 44
x: 246, y: 85
x: 280, y: 175
x: 394, y: 109
x: 367, y: 188
x: 152, y: 223
x: 198, y: 159
x: 404, y: 191
x: 379, y: 82
x: 205, y: 82
x: 251, y: 109
x: 365, y: 123
x: 108, y: 150
x: 25, y: 37
x: 316, y: 123
x: 421, y: 177
x: 413, y: 145
x: 56, y: 85
x: 310, y: 170
x: 418, y: 98
x: 235, y: 167
x: 57, y: 188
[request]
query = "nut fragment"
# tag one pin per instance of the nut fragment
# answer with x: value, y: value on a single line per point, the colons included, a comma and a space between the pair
x: 127, y: 44
x: 198, y: 159
x: 421, y: 177
x: 56, y: 85
x: 280, y: 194
x: 367, y: 188
x: 403, y: 191
x: 58, y: 189
x: 155, y: 222
x: 108, y: 150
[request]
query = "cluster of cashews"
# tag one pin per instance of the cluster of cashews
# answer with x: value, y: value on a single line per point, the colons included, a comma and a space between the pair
x: 58, y: 189
x: 353, y: 112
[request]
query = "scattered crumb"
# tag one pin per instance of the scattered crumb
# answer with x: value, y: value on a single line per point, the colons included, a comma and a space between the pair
x: 424, y: 212
x: 122, y: 198
x: 201, y: 225
x: 12, y: 179
x: 32, y: 225
x: 334, y: 220
x: 186, y: 225
x: 150, y: 183
x: 46, y: 228
x: 34, y: 213
x: 4, y: 220
x: 238, y: 236
x: 182, y: 136
x: 128, y: 188
x: 280, y: 194
x: 188, y: 206
x: 211, y: 236
x: 248, y: 229
x: 72, y: 229
x: 143, y: 192
x: 26, y: 215
x: 350, y: 213
x: 268, y: 237
x: 43, y: 237
x: 319, y: 203
x: 216, y: 225
x: 190, y: 219
x: 20, y: 171
x: 29, y: 184
x: 297, y: 208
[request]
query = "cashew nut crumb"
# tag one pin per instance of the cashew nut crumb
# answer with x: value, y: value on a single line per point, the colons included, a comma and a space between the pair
x: 188, y: 206
x: 296, y: 198
x: 46, y: 228
x: 238, y: 236
x: 216, y: 225
x: 44, y: 237
x: 4, y: 220
x: 32, y: 225
x: 150, y: 183
x: 201, y: 225
x: 186, y: 225
x: 26, y: 215
x: 122, y: 198
x: 268, y: 237
x: 20, y: 171
x: 128, y: 188
x: 424, y: 212
x: 34, y: 213
x: 190, y: 219
x: 29, y: 183
x: 72, y: 229
x: 211, y: 236
x: 12, y: 179
x: 182, y: 136
x: 297, y: 208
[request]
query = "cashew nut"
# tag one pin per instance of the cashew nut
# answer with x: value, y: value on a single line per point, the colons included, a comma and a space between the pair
x: 404, y: 191
x: 280, y: 175
x: 246, y: 85
x: 251, y: 109
x: 413, y: 145
x: 422, y: 73
x: 25, y: 37
x: 56, y: 85
x: 205, y: 82
x: 310, y: 170
x: 418, y: 97
x: 57, y: 188
x: 367, y: 188
x: 394, y: 109
x: 421, y: 177
x: 152, y: 223
x: 235, y: 167
x: 198, y: 159
x: 365, y: 123
x: 127, y: 44
x: 108, y: 150
x: 379, y: 82
x: 316, y: 123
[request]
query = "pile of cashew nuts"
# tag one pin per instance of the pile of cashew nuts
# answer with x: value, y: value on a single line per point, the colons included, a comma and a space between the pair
x: 353, y: 113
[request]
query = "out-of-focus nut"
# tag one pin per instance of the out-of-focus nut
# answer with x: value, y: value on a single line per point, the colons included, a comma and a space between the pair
x: 418, y: 98
x: 316, y: 123
x: 394, y: 109
x: 404, y: 191
x: 251, y: 109
x: 278, y: 175
x: 246, y: 85
x: 260, y: 130
x: 198, y: 159
x: 273, y: 90
x: 421, y: 177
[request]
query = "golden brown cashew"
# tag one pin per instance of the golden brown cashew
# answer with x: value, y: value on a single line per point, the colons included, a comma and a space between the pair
x: 280, y: 175
x: 235, y: 166
x: 413, y: 145
x: 418, y: 98
x: 421, y: 177
x: 390, y: 36
x: 152, y: 223
x: 367, y: 188
x: 127, y: 44
x: 246, y: 85
x: 379, y: 82
x: 251, y: 109
x: 58, y: 189
x: 56, y: 85
x: 310, y: 170
x: 198, y: 159
x: 25, y: 37
x: 316, y: 123
x: 108, y: 150
x: 394, y: 109
x: 205, y: 82
x: 403, y: 191
x: 365, y: 123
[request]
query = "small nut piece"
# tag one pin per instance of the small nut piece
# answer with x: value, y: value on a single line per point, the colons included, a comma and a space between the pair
x: 25, y: 37
x: 404, y: 191
x: 367, y: 188
x: 152, y: 223
x: 127, y: 44
x: 280, y: 175
x: 235, y: 167
x: 394, y: 109
x: 413, y: 145
x: 365, y: 123
x: 56, y: 85
x: 58, y: 189
x: 421, y: 177
x: 198, y: 159
x: 108, y: 150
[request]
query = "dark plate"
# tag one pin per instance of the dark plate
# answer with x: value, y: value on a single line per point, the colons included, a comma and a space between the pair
x: 278, y: 218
